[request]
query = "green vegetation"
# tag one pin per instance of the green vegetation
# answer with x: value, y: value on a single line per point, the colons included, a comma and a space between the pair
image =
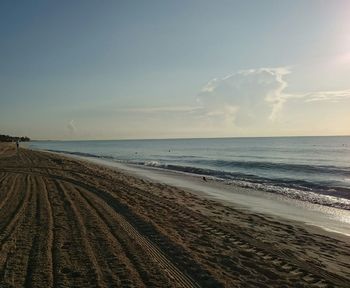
x: 8, y: 138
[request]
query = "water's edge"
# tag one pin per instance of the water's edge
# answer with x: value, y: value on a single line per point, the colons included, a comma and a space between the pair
x: 330, y: 219
x: 285, y: 189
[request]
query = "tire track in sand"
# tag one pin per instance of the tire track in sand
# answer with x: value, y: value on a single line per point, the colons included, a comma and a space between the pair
x: 73, y: 260
x: 148, y: 268
x: 173, y: 271
x: 39, y: 269
x: 13, y: 207
x: 250, y: 248
x: 175, y: 274
x: 109, y: 254
x: 11, y: 212
x: 19, y: 238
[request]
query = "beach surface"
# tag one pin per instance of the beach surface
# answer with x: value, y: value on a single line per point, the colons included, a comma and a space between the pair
x: 65, y: 222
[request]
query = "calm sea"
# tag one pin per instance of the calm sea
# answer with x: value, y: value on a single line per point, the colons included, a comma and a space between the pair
x: 314, y: 169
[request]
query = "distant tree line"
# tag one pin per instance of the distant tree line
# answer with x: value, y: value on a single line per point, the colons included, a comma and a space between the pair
x: 8, y: 138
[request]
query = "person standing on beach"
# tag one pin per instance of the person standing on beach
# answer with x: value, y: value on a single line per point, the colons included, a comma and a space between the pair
x: 17, y: 146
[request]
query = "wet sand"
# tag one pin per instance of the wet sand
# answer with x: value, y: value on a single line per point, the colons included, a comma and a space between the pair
x: 70, y: 223
x: 328, y: 218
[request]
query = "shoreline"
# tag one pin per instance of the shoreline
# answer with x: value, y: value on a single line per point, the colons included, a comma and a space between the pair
x: 328, y: 219
x: 77, y: 223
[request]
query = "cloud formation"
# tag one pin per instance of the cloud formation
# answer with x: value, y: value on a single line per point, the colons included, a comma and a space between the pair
x: 248, y: 102
x: 161, y: 109
x: 71, y: 126
x: 246, y: 96
x: 255, y: 96
x: 330, y: 96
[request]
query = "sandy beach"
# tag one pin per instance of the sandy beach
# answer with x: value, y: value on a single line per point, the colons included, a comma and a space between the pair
x: 70, y: 223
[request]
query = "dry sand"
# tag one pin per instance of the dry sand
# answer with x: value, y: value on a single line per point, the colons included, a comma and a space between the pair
x: 69, y: 223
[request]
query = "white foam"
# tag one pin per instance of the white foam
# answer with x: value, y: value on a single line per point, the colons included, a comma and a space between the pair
x: 325, y: 217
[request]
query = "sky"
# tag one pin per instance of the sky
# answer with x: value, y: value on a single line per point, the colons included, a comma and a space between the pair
x: 174, y: 69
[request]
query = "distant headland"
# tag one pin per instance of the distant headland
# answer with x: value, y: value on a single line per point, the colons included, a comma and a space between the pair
x: 8, y: 138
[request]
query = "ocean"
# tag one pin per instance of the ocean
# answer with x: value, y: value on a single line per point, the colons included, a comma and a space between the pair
x: 312, y: 169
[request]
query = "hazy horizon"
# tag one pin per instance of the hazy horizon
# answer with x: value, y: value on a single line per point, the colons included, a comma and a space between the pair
x: 85, y: 70
x: 193, y: 138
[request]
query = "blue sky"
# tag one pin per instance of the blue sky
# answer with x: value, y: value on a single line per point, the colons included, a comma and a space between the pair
x: 163, y: 69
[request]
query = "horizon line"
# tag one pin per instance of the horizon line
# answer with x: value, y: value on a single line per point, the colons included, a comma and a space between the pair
x: 192, y: 138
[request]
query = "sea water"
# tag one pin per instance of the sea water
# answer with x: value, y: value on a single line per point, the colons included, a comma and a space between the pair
x: 312, y: 169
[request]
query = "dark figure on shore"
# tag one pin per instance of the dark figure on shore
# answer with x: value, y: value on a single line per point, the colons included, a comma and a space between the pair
x: 205, y: 179
x: 17, y: 146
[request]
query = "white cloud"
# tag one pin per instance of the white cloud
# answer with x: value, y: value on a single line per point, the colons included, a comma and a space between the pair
x: 246, y: 96
x: 255, y: 97
x: 165, y: 109
x: 248, y: 102
x: 71, y: 126
x: 330, y: 96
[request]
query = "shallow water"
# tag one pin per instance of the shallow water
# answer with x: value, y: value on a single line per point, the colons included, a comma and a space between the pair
x: 312, y: 169
x: 328, y: 218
